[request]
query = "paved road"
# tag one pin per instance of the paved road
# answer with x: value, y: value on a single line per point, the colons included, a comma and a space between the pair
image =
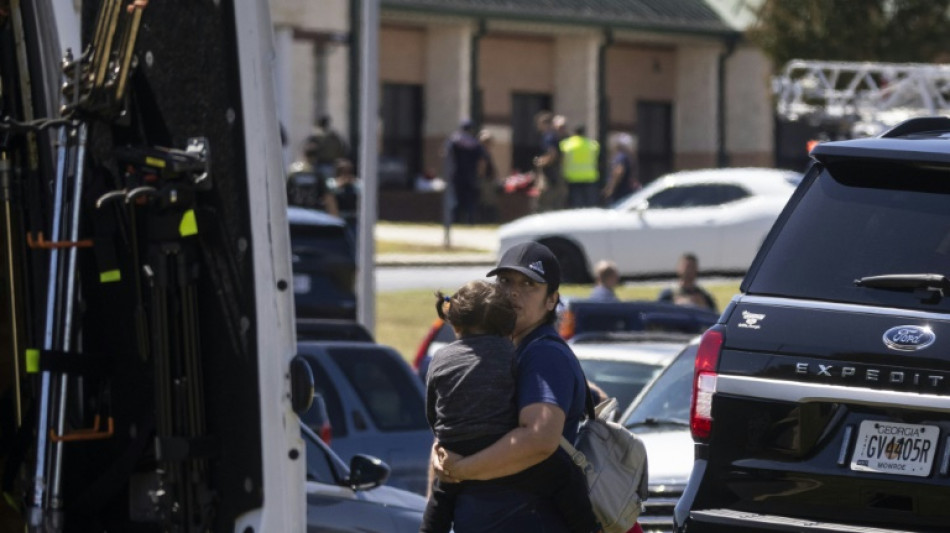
x: 447, y: 278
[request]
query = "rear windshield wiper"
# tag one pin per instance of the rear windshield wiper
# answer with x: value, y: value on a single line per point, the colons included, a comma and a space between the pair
x: 652, y: 421
x: 907, y: 282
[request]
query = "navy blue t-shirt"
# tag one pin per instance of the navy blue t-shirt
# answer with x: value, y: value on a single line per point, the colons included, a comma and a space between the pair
x: 624, y: 186
x: 548, y: 372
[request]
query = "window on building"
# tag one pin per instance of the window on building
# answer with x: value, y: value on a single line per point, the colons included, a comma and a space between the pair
x: 525, y: 139
x: 401, y: 158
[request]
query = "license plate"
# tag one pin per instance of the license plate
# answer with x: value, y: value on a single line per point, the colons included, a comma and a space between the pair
x: 301, y: 284
x: 893, y: 448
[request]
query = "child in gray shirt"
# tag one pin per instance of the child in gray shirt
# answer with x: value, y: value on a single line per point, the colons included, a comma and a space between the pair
x: 470, y: 404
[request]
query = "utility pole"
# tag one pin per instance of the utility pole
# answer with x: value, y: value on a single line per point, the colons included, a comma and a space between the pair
x: 369, y: 102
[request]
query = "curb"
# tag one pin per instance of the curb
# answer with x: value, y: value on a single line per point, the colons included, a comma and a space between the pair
x: 435, y: 260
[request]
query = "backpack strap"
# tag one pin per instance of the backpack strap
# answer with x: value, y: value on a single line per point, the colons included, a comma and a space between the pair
x: 577, y: 456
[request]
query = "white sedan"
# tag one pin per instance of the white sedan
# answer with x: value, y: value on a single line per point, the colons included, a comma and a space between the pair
x: 720, y: 215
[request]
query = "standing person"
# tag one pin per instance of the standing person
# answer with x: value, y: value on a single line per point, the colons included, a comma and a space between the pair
x: 330, y: 147
x: 464, y: 154
x: 623, y: 175
x: 580, y: 156
x: 487, y: 179
x: 686, y: 291
x: 551, y: 396
x: 560, y: 127
x: 607, y: 280
x: 346, y: 190
x: 552, y: 191
x: 308, y: 188
x: 470, y: 403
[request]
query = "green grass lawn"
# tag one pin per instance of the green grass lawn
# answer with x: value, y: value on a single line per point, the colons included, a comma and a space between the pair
x: 403, y: 317
x: 395, y: 247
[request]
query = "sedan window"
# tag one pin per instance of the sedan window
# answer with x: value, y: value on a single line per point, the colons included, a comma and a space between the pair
x: 622, y: 380
x: 668, y: 397
x: 703, y: 195
x: 324, y: 387
x: 390, y: 393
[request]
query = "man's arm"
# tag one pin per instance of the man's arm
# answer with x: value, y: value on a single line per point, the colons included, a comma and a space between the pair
x: 329, y: 204
x: 534, y: 440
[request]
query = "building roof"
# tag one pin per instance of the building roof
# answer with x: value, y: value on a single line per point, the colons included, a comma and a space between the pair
x: 680, y: 16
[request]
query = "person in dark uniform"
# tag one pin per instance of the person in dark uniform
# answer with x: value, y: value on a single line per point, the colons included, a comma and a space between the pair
x: 346, y: 190
x: 464, y: 154
x: 623, y: 174
x: 552, y: 190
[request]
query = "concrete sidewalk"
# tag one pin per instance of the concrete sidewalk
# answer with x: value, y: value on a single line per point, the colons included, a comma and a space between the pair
x: 481, y: 238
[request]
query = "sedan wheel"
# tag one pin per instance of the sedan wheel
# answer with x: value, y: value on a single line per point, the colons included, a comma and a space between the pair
x: 573, y: 262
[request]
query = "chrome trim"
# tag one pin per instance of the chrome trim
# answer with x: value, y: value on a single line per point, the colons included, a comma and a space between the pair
x: 760, y: 522
x: 793, y: 391
x: 813, y: 305
x: 902, y: 347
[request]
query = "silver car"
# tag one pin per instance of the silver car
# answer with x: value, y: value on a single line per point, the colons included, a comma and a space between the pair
x: 660, y: 417
x: 354, y: 499
x: 376, y: 405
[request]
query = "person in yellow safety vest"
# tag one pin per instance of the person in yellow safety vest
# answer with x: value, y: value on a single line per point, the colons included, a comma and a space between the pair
x: 579, y: 166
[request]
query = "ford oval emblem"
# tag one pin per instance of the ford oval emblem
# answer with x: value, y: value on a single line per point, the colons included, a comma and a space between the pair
x: 908, y: 338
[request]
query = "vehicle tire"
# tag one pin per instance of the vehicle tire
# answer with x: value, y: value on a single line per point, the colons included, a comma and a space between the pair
x: 573, y: 262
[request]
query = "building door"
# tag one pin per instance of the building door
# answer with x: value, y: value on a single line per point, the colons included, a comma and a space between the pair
x: 654, y: 139
x: 525, y: 139
x: 401, y: 158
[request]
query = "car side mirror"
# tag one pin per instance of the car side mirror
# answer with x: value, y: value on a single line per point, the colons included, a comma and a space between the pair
x: 367, y: 472
x: 301, y: 385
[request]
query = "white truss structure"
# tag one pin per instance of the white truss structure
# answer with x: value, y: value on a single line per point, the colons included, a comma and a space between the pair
x: 869, y: 96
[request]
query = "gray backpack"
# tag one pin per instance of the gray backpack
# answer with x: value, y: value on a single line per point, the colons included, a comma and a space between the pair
x: 614, y: 461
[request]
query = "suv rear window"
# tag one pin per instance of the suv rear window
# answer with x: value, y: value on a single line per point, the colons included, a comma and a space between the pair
x: 866, y: 219
x: 390, y: 393
x: 314, y: 239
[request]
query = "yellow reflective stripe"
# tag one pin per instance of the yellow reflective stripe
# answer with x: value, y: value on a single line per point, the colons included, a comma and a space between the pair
x: 110, y: 276
x: 188, y: 225
x: 32, y: 360
x: 154, y: 162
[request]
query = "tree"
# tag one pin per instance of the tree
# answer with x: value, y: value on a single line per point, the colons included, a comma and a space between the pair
x: 846, y: 30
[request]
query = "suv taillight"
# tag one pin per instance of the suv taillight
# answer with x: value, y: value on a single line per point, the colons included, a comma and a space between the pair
x: 704, y: 382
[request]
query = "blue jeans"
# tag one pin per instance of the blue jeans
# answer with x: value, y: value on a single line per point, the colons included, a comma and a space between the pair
x: 493, y: 508
x: 582, y: 195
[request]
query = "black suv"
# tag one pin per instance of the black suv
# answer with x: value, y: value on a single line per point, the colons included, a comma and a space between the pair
x: 821, y: 399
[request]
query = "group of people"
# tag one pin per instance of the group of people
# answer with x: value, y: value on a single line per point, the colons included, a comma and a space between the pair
x: 325, y: 178
x: 567, y: 167
x: 685, y: 291
x: 566, y: 170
